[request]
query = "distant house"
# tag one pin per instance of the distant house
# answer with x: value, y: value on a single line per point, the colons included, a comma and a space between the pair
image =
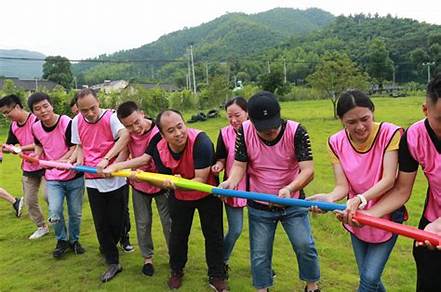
x: 109, y: 86
x: 29, y: 84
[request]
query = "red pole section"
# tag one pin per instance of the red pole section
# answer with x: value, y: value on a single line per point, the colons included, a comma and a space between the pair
x: 405, y: 230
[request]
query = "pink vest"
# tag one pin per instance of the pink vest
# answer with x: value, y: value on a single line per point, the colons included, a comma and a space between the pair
x: 362, y: 171
x: 422, y: 150
x: 54, y: 147
x: 229, y: 137
x: 271, y: 167
x: 137, y: 146
x: 96, y: 140
x: 25, y: 137
x: 184, y: 166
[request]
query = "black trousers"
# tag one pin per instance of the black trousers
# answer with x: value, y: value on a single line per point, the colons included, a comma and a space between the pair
x: 108, y: 215
x: 210, y: 216
x: 428, y: 264
x: 126, y: 221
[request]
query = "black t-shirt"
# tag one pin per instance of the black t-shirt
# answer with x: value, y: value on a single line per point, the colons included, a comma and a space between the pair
x: 406, y: 162
x: 302, y: 144
x: 203, y: 153
x: 221, y: 149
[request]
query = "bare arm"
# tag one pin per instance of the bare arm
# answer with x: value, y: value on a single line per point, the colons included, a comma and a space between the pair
x: 340, y: 190
x: 235, y: 176
x: 68, y: 154
x: 38, y: 150
x: 390, y: 165
x: 132, y: 163
x: 119, y: 145
x: 306, y: 175
x: 396, y: 197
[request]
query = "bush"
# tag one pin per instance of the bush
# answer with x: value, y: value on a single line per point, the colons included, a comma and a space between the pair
x: 302, y: 93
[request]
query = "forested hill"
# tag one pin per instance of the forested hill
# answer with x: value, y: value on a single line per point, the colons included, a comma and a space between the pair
x: 407, y: 42
x: 10, y: 67
x: 231, y: 35
x: 243, y: 47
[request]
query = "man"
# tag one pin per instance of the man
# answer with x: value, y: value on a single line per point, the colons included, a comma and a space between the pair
x: 100, y: 138
x: 420, y: 145
x: 17, y: 203
x: 52, y: 136
x: 20, y: 132
x: 189, y: 153
x: 142, y: 131
x: 276, y: 156
x: 73, y: 106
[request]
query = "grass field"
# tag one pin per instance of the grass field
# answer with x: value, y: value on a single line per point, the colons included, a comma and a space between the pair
x: 28, y: 265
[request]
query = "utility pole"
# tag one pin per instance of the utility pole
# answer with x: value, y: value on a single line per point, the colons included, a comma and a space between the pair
x: 206, y: 71
x: 393, y: 77
x: 428, y: 64
x: 192, y: 69
x: 284, y: 70
x: 188, y: 74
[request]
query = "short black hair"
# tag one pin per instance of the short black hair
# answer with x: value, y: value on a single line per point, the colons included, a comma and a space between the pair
x: 73, y: 101
x: 11, y: 100
x: 85, y: 92
x: 240, y: 101
x: 434, y: 88
x: 159, y: 116
x: 37, y: 97
x: 351, y: 99
x: 126, y: 109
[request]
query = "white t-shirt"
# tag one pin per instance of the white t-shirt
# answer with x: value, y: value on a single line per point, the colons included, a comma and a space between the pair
x: 106, y: 184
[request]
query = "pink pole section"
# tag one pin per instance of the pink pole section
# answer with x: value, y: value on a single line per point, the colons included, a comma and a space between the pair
x: 405, y: 230
x: 55, y: 164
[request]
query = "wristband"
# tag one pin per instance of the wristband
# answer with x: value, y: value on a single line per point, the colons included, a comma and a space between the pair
x: 363, y: 201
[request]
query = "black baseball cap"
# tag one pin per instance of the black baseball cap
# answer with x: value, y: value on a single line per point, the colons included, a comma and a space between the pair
x: 264, y: 111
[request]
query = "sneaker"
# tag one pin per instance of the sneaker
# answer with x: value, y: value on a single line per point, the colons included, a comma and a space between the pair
x: 40, y: 232
x: 175, y: 280
x: 61, y: 248
x: 18, y: 206
x: 77, y: 248
x: 111, y: 272
x: 315, y: 290
x: 127, y: 247
x: 148, y: 269
x: 218, y: 284
x: 227, y: 271
x: 273, y: 273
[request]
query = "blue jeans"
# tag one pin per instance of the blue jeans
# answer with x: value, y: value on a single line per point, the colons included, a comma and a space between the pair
x: 235, y: 223
x: 295, y: 222
x: 73, y: 191
x: 371, y: 259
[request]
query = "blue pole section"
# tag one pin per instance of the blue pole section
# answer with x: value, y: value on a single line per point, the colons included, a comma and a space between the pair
x: 83, y: 168
x: 325, y: 206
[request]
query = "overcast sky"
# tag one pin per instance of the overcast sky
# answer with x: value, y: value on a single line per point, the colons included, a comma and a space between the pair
x: 81, y: 29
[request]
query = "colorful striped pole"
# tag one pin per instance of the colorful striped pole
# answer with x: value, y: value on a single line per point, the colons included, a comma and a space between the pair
x: 405, y: 230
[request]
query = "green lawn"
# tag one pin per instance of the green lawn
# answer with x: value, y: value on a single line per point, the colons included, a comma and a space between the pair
x: 28, y: 265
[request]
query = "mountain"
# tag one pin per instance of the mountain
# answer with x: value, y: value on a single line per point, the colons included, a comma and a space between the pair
x: 233, y: 35
x: 23, y: 69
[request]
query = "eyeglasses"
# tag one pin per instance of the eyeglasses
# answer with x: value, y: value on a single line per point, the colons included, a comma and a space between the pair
x: 7, y: 112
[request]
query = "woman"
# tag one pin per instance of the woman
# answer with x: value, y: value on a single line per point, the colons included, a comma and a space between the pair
x: 365, y: 158
x: 236, y: 109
